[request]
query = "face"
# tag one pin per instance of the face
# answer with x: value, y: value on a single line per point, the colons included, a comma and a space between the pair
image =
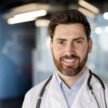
x: 70, y: 48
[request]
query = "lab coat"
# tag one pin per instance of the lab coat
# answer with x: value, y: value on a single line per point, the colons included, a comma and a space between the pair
x: 54, y: 98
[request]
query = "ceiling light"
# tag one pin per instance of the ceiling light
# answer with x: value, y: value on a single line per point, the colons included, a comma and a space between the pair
x: 98, y: 30
x: 86, y: 12
x: 42, y: 23
x: 105, y: 15
x: 88, y: 6
x: 25, y: 17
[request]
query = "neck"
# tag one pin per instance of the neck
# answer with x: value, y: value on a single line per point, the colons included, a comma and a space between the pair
x: 70, y: 80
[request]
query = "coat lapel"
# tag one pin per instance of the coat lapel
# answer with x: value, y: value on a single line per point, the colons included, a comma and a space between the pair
x: 82, y: 99
x: 55, y: 97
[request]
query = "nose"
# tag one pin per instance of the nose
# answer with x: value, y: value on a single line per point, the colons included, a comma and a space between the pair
x: 69, y: 50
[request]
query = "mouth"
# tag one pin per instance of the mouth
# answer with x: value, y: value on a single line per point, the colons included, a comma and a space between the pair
x: 71, y: 61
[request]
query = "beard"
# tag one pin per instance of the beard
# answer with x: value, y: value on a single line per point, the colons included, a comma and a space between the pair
x: 70, y: 65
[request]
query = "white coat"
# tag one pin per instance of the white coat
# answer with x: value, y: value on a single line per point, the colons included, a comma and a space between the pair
x: 53, y: 97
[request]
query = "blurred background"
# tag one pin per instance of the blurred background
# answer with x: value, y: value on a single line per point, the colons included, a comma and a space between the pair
x: 25, y: 57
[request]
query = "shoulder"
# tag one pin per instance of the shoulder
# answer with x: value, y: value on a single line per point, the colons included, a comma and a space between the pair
x: 98, y: 83
x: 32, y: 95
x: 34, y: 91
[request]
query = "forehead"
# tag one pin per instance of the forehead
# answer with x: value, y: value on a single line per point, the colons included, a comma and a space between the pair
x: 67, y: 30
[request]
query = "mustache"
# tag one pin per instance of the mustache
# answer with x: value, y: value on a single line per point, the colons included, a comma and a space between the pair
x: 70, y: 57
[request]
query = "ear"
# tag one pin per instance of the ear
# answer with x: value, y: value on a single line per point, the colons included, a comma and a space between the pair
x: 90, y: 45
x: 51, y: 44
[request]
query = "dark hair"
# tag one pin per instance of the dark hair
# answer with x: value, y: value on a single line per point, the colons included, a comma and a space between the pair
x: 69, y: 17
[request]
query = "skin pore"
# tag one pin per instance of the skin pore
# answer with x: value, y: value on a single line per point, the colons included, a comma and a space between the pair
x: 70, y: 49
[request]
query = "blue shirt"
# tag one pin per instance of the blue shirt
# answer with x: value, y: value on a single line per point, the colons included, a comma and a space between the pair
x: 70, y: 93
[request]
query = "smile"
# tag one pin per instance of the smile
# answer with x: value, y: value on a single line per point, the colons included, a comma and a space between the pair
x: 69, y: 61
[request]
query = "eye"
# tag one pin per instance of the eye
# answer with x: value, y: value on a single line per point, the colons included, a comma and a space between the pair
x: 61, y: 42
x: 78, y: 42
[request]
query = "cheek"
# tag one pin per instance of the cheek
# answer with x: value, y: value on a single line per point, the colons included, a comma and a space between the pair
x: 82, y: 52
x: 57, y: 53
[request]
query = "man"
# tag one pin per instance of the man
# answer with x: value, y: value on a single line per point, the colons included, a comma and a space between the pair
x: 73, y: 85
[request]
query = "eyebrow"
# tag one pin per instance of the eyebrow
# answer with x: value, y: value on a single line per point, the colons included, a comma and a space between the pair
x: 60, y: 39
x: 78, y: 38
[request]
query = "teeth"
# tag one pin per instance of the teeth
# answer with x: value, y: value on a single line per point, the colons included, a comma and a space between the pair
x: 69, y: 60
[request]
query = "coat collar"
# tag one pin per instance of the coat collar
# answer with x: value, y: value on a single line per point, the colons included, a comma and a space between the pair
x: 84, y: 97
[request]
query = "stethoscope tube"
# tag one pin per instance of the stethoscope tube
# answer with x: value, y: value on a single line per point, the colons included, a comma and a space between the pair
x: 91, y: 89
x: 88, y: 84
x: 89, y: 79
x: 42, y: 92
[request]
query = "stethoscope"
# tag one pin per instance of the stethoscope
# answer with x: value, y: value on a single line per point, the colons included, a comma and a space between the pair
x: 88, y: 84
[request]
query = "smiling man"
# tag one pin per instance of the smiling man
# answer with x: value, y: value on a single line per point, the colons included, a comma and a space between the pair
x: 70, y: 48
x: 73, y: 85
